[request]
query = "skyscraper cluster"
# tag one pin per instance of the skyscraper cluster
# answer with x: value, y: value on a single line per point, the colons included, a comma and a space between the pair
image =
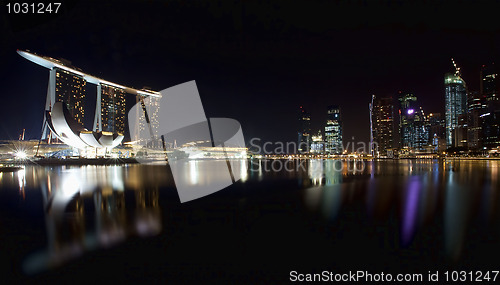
x: 332, y: 142
x: 471, y: 122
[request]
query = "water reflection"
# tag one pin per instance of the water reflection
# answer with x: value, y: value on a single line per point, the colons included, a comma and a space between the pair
x: 411, y: 205
x: 86, y: 208
x: 414, y: 190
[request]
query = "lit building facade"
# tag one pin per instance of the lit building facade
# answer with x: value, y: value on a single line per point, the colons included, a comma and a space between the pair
x: 144, y: 129
x: 437, y: 132
x: 476, y: 108
x: 70, y: 89
x: 112, y: 109
x: 455, y: 105
x: 422, y: 126
x: 407, y: 109
x: 333, y: 131
x: 382, y: 118
x: 414, y: 125
x: 317, y: 144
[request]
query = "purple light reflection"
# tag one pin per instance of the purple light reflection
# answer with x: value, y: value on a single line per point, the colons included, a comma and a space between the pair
x: 410, y: 211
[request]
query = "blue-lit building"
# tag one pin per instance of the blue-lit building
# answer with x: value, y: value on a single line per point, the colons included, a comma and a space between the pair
x: 414, y: 125
x: 333, y: 131
x: 407, y: 108
x: 317, y: 144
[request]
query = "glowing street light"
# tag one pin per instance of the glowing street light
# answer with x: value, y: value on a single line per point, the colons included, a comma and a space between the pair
x: 20, y: 155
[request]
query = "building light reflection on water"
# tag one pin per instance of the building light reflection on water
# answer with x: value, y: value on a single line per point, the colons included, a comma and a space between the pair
x: 418, y: 186
x: 193, y: 172
x: 65, y: 190
x: 415, y: 193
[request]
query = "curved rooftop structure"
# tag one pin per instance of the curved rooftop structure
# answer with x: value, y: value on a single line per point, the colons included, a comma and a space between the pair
x: 64, y: 108
x: 50, y: 63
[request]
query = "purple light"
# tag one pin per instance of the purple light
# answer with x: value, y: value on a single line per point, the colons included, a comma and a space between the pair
x: 411, y: 111
x: 411, y: 211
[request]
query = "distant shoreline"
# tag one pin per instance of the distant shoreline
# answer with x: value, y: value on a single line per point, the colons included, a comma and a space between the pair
x: 124, y: 161
x: 79, y: 161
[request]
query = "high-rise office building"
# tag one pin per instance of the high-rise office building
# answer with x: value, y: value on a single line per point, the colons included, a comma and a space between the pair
x: 489, y: 83
x: 455, y: 103
x: 406, y: 112
x: 490, y: 119
x: 317, y: 143
x: 413, y: 124
x: 476, y: 108
x: 143, y: 129
x: 382, y: 119
x: 333, y: 131
x: 304, y: 133
x: 70, y: 89
x: 113, y: 109
x: 422, y: 126
x: 460, y: 132
x: 437, y: 132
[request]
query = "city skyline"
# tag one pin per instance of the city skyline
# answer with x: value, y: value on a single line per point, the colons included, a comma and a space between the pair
x: 272, y: 64
x: 468, y: 104
x: 193, y: 138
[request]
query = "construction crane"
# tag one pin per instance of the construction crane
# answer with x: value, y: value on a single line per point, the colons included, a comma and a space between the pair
x: 457, y: 69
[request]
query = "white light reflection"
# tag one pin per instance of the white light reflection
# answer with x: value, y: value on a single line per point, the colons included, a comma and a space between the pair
x: 315, y: 171
x: 193, y: 172
x: 21, y: 176
x: 243, y: 170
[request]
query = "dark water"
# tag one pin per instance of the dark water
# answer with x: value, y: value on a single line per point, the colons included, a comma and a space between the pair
x: 126, y: 224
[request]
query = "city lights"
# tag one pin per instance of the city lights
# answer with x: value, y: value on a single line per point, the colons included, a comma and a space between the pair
x: 20, y: 154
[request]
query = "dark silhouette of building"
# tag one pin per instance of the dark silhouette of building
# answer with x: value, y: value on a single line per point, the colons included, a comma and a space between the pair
x: 382, y: 117
x: 304, y: 133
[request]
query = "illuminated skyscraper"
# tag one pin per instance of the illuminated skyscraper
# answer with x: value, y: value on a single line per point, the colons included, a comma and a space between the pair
x: 143, y: 129
x: 382, y: 117
x: 456, y: 103
x: 407, y: 110
x: 304, y: 133
x: 317, y: 144
x: 112, y: 109
x: 70, y: 89
x: 436, y: 132
x: 413, y: 124
x: 421, y: 123
x: 489, y: 83
x: 333, y: 131
x: 476, y: 108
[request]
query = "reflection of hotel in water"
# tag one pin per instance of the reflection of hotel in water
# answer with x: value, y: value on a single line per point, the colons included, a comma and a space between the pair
x: 91, y: 207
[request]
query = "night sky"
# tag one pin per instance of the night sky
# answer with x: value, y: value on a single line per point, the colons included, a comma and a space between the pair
x: 254, y: 61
